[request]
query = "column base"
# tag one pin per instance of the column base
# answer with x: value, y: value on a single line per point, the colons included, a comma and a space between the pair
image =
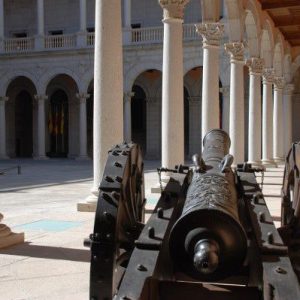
x: 41, y: 157
x: 90, y: 205
x: 268, y: 163
x: 82, y: 157
x: 4, y: 157
x: 8, y: 238
x: 279, y: 160
x: 255, y: 163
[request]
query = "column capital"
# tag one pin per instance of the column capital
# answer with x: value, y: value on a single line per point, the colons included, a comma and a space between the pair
x: 173, y: 9
x: 268, y: 75
x: 289, y: 89
x: 225, y: 90
x: 82, y: 97
x: 278, y: 83
x: 194, y: 99
x: 128, y: 96
x: 255, y: 65
x: 40, y: 98
x: 236, y: 51
x: 151, y: 99
x: 211, y: 33
x: 3, y: 99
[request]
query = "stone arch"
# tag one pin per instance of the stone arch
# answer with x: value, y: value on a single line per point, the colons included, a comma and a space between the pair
x: 190, y: 64
x: 86, y: 81
x: 11, y: 76
x: 287, y: 67
x: 136, y: 70
x: 21, y: 117
x: 63, y: 105
x: 252, y: 28
x: 267, y: 43
x: 235, y: 19
x: 44, y: 81
x: 278, y: 55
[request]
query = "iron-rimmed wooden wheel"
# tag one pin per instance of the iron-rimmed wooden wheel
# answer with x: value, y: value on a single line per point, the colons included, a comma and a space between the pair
x: 118, y: 220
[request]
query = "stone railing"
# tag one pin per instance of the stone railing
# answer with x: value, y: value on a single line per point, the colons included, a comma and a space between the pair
x: 90, y: 39
x: 65, y: 41
x: 138, y: 36
x: 147, y: 35
x: 19, y: 44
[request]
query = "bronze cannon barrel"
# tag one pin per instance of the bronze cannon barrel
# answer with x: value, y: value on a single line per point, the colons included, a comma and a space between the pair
x: 208, y: 241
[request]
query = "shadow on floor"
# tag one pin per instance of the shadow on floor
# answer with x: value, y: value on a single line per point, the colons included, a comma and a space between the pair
x: 48, y: 252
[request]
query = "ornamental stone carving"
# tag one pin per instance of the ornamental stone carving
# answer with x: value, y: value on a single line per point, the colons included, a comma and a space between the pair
x: 278, y: 83
x: 255, y: 65
x: 225, y: 90
x: 173, y: 9
x: 194, y: 100
x: 289, y: 88
x: 82, y: 97
x: 128, y: 96
x: 3, y: 99
x: 236, y: 51
x: 268, y: 76
x: 40, y: 98
x: 211, y: 33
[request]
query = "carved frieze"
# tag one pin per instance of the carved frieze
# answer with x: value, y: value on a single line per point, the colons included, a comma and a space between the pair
x: 268, y: 75
x: 279, y: 83
x: 173, y: 9
x: 211, y: 33
x: 255, y: 65
x: 236, y: 51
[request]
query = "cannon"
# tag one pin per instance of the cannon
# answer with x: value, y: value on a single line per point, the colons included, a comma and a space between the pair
x: 210, y: 235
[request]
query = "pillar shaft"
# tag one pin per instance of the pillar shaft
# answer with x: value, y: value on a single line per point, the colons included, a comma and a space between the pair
x: 278, y: 120
x: 254, y: 131
x: 82, y: 125
x: 3, y: 128
x: 1, y: 19
x: 236, y: 115
x: 172, y: 85
x: 82, y: 15
x: 40, y: 17
x: 127, y: 13
x: 211, y: 34
x: 267, y: 117
x: 41, y: 153
x: 287, y: 117
x: 108, y: 84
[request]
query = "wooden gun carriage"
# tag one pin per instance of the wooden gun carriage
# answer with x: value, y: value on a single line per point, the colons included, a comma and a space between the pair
x: 210, y: 236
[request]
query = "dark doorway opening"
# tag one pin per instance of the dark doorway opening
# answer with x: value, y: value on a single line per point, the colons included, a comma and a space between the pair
x: 139, y: 117
x: 23, y: 125
x: 58, y: 124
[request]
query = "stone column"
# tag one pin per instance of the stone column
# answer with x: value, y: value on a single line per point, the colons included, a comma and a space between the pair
x: 41, y: 126
x: 172, y: 84
x: 108, y: 89
x: 127, y: 22
x: 82, y: 126
x: 278, y: 120
x: 81, y: 35
x: 237, y: 105
x: 3, y: 154
x: 267, y: 117
x: 8, y: 238
x: 287, y: 117
x: 254, y: 131
x: 127, y: 116
x: 39, y: 40
x: 225, y: 90
x: 211, y: 34
x: 1, y: 25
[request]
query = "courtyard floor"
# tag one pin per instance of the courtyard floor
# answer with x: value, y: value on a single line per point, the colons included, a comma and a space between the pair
x: 42, y: 203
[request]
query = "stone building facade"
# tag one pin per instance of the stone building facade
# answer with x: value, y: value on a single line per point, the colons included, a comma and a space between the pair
x: 46, y: 78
